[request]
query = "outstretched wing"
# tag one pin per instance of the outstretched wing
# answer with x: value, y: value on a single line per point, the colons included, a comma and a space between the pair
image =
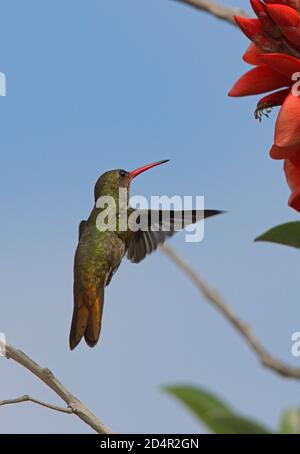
x: 158, y: 225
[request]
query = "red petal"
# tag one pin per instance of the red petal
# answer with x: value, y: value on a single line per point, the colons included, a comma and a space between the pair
x: 249, y: 27
x: 252, y: 55
x: 292, y: 174
x: 292, y: 34
x: 292, y: 3
x: 287, y: 129
x: 283, y: 15
x: 257, y: 6
x: 288, y: 21
x: 283, y: 63
x: 274, y: 99
x: 264, y: 18
x: 259, y: 80
x: 253, y: 29
x: 284, y: 153
x: 296, y: 160
x: 294, y: 199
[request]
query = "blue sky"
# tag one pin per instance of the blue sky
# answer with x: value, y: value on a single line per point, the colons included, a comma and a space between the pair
x: 93, y: 86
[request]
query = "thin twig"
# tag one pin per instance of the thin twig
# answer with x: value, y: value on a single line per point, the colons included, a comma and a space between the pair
x: 74, y: 406
x: 27, y: 398
x: 266, y: 359
x: 225, y: 13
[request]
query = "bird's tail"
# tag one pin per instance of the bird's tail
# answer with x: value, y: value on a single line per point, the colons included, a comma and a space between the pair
x: 87, y: 315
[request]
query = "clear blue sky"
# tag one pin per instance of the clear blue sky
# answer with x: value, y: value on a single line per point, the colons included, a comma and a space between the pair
x: 97, y: 85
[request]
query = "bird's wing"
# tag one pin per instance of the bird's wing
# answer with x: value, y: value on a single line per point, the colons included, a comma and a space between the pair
x: 156, y: 226
x: 81, y: 228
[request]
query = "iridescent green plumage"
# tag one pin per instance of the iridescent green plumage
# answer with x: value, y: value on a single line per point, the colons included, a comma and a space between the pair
x: 97, y: 257
x: 100, y: 252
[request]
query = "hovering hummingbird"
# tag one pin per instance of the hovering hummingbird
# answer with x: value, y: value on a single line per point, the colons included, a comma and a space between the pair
x: 100, y: 252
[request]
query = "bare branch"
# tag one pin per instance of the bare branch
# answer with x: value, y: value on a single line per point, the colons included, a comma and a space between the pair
x: 225, y: 13
x: 27, y: 398
x: 74, y: 406
x: 266, y: 359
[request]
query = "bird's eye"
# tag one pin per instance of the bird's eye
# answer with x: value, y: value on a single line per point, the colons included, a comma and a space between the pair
x: 122, y: 173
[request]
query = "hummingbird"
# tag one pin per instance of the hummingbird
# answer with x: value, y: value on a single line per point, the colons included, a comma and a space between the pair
x: 99, y: 252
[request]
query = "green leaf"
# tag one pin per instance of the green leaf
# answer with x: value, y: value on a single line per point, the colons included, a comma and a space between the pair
x: 290, y: 422
x: 213, y: 412
x: 238, y: 424
x: 287, y: 234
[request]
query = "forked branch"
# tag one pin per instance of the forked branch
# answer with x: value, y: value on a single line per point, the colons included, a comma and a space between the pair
x: 73, y: 405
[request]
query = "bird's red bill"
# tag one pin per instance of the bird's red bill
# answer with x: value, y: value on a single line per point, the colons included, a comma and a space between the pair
x: 140, y: 170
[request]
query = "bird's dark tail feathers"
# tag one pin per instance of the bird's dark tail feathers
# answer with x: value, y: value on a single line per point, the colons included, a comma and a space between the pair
x: 87, y: 315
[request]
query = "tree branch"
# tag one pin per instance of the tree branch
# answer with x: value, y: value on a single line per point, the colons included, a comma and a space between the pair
x: 225, y: 13
x: 266, y: 359
x: 74, y: 406
x: 27, y: 398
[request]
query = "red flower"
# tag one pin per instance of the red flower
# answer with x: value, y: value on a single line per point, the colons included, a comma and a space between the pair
x: 275, y: 53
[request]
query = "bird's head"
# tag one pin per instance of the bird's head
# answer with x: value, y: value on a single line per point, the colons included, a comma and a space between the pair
x: 110, y: 182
